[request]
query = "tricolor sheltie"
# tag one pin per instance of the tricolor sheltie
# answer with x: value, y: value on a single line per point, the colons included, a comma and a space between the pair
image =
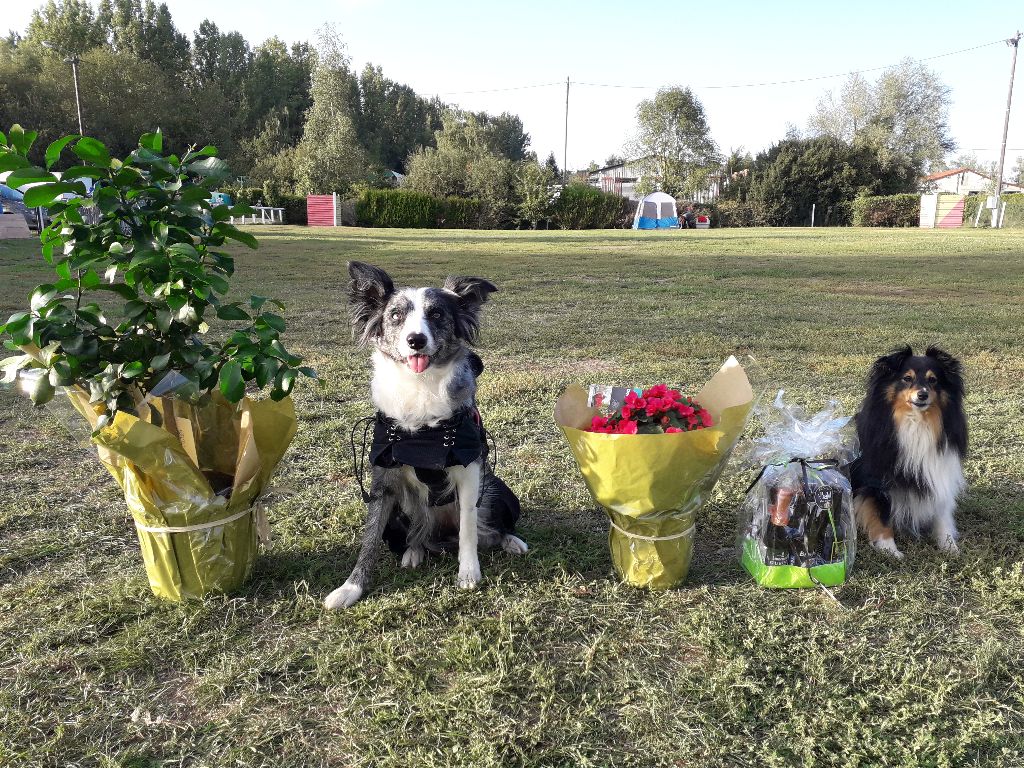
x: 913, y: 438
x: 431, y: 488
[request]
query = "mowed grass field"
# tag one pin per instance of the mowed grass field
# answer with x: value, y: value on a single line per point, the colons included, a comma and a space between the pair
x: 552, y: 661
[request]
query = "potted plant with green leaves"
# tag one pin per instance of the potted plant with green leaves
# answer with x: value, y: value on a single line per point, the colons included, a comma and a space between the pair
x: 123, y: 332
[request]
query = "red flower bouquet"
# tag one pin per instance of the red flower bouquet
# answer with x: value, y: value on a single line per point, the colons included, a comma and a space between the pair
x: 655, y: 411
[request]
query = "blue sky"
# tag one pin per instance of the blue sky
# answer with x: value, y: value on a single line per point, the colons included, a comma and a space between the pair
x: 450, y: 48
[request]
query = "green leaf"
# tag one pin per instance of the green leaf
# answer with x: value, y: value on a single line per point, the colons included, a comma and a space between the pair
x: 231, y: 384
x: 12, y: 162
x: 92, y: 151
x: 232, y: 312
x: 160, y: 362
x: 210, y: 167
x: 133, y: 369
x: 218, y: 283
x: 21, y: 139
x: 152, y: 141
x: 274, y: 321
x: 122, y: 290
x: 163, y: 320
x: 230, y: 230
x: 45, y: 194
x: 266, y: 368
x: 84, y: 172
x: 16, y: 322
x: 287, y: 379
x: 53, y: 151
x: 30, y: 175
x: 41, y: 391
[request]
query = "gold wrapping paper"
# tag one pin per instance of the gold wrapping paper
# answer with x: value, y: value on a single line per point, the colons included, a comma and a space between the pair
x: 652, y: 486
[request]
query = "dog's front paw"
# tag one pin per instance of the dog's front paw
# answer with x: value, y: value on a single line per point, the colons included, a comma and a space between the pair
x: 949, y: 546
x: 514, y: 545
x: 888, y: 546
x: 344, y: 596
x: 413, y: 557
x: 469, y: 575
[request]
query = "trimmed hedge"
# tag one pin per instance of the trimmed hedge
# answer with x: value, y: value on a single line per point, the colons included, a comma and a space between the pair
x: 407, y: 209
x: 1012, y: 219
x: 887, y: 210
x: 581, y: 206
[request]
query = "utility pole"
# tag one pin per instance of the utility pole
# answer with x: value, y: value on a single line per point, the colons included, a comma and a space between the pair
x: 565, y: 148
x: 74, y: 60
x: 996, y: 218
x: 78, y: 99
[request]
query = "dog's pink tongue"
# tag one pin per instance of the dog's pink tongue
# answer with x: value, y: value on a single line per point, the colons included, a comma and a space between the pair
x: 419, y: 363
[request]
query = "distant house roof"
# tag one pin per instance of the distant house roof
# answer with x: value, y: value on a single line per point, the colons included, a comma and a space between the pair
x: 952, y: 172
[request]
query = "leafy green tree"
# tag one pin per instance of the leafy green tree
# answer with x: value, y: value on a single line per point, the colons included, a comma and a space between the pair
x: 465, y: 164
x: 903, y: 116
x: 673, y: 143
x: 825, y: 172
x: 1017, y: 174
x: 535, y: 186
x: 220, y: 58
x: 70, y: 25
x: 329, y: 157
x: 552, y: 165
x: 392, y: 120
x: 279, y: 82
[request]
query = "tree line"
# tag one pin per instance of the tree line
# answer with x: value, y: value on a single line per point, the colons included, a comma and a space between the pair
x: 297, y: 119
x: 267, y: 107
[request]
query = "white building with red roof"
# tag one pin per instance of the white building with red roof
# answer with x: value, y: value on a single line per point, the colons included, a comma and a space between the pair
x: 964, y: 181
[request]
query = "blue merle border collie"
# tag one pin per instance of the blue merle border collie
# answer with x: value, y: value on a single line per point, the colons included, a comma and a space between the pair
x: 913, y: 438
x: 431, y: 489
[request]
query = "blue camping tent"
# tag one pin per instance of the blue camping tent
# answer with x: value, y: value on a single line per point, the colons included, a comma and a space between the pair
x: 656, y: 211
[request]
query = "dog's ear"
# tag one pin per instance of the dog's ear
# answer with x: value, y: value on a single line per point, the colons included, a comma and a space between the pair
x: 471, y: 292
x: 369, y: 289
x: 952, y: 371
x: 888, y: 365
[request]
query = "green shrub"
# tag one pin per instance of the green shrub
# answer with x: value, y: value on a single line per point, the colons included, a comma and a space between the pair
x: 459, y: 213
x: 1012, y: 219
x: 294, y: 208
x: 580, y: 206
x: 733, y: 213
x: 887, y: 210
x: 405, y: 208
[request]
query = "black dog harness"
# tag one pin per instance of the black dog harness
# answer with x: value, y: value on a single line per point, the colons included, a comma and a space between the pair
x: 455, y: 441
x: 458, y: 441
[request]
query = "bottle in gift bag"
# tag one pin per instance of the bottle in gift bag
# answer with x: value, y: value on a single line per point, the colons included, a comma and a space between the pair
x: 776, y: 538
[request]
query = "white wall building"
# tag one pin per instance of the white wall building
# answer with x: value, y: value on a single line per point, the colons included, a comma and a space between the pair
x: 621, y: 179
x: 964, y: 181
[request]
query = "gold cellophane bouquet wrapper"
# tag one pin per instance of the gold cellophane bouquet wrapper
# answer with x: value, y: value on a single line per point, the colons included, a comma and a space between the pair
x: 652, y: 486
x: 192, y: 476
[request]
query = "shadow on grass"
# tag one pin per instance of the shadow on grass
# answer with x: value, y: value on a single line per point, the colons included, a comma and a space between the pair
x: 557, y: 546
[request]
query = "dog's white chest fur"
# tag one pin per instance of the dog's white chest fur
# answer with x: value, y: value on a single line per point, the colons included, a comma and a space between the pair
x: 938, y: 468
x: 414, y: 400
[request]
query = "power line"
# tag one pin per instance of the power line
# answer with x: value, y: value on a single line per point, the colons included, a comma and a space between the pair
x: 719, y: 87
x: 723, y: 87
x: 496, y: 90
x: 798, y: 80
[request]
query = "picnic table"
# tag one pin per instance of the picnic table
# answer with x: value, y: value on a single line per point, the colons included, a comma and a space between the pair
x: 262, y: 214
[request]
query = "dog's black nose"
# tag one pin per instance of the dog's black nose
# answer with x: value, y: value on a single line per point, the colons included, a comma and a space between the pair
x: 922, y: 394
x: 416, y: 341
